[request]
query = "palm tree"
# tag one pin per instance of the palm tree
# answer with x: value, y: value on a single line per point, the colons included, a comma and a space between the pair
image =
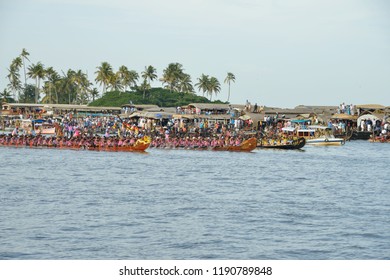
x: 133, y: 78
x: 17, y: 63
x: 14, y: 80
x: 115, y: 83
x: 67, y: 87
x: 149, y: 75
x: 185, y: 84
x: 203, y: 83
x: 94, y: 93
x: 145, y: 86
x: 123, y: 74
x: 104, y: 75
x: 214, y: 86
x: 5, y: 96
x: 171, y: 75
x: 229, y: 78
x: 82, y: 84
x: 24, y: 55
x: 37, y: 72
x: 52, y: 81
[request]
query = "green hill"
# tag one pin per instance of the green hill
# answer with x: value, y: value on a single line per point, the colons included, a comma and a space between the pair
x: 157, y: 96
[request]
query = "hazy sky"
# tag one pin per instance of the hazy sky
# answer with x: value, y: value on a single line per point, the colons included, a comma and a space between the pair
x: 283, y: 53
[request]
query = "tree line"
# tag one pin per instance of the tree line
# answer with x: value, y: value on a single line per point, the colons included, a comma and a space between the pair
x: 74, y: 87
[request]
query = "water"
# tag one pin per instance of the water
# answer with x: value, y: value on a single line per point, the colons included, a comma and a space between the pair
x: 320, y: 203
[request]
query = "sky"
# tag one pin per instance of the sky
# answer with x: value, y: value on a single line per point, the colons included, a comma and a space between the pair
x: 283, y: 53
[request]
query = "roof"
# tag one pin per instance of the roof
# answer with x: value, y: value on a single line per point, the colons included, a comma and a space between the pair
x: 141, y: 106
x: 151, y: 115
x: 370, y: 106
x: 23, y: 104
x: 79, y: 107
x: 62, y: 106
x: 370, y: 116
x: 344, y: 117
x: 211, y: 106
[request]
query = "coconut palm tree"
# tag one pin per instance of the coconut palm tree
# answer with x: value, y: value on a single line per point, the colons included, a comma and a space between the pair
x: 133, y: 78
x: 14, y: 77
x: 213, y: 87
x: 229, y: 78
x: 5, y: 96
x: 37, y: 72
x: 67, y: 87
x: 82, y: 84
x: 203, y: 83
x: 145, y: 86
x: 185, y: 84
x: 123, y: 74
x: 94, y: 93
x: 115, y: 83
x: 17, y: 63
x: 52, y: 79
x: 149, y: 75
x: 104, y: 75
x: 24, y: 55
x: 171, y: 76
x: 14, y: 80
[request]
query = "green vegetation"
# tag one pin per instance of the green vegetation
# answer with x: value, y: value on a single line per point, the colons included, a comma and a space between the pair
x: 158, y: 96
x: 74, y: 86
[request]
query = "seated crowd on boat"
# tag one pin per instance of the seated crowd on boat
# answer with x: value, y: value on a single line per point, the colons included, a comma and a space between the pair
x: 80, y: 142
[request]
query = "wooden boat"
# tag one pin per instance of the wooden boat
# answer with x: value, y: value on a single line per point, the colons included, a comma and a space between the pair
x: 294, y: 145
x: 139, y: 146
x: 380, y: 139
x: 246, y: 146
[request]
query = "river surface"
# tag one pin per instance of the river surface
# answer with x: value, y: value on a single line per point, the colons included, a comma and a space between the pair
x: 319, y: 203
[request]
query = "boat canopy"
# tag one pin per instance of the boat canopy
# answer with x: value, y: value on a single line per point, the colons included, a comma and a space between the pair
x: 288, y: 129
x: 318, y: 127
x: 300, y: 121
x: 38, y: 121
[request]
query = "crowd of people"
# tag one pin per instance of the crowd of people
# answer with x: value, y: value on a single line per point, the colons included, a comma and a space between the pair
x: 348, y: 109
x: 81, y: 142
x: 107, y: 131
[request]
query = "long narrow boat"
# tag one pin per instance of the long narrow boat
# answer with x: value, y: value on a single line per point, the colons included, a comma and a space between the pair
x: 294, y: 145
x: 139, y: 146
x: 246, y: 146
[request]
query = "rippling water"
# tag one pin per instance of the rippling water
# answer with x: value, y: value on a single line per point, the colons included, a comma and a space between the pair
x: 320, y: 203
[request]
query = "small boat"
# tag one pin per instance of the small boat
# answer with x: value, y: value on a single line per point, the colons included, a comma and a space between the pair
x: 246, y: 146
x: 289, y: 145
x: 326, y: 140
x: 317, y: 135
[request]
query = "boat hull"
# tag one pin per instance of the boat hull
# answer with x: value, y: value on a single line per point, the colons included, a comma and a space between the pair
x: 300, y: 143
x: 246, y: 146
x: 325, y: 141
